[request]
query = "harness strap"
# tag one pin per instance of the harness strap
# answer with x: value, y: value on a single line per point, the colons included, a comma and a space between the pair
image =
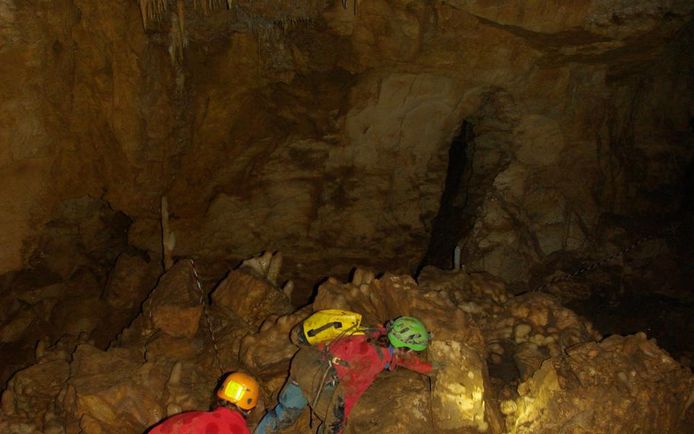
x: 319, y: 391
x: 331, y: 363
x: 391, y: 350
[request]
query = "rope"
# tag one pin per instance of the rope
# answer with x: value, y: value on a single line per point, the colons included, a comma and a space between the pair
x: 320, y: 391
x: 150, y: 318
x: 208, y: 321
x: 330, y: 364
x: 671, y: 230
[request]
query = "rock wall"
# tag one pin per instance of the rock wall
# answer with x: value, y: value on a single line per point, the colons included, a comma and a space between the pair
x: 333, y: 130
x: 85, y: 111
x: 325, y: 133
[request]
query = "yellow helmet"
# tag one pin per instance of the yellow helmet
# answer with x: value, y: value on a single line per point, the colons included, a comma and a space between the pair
x: 240, y: 389
x: 328, y: 324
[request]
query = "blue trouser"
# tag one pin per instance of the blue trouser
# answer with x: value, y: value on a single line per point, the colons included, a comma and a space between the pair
x: 289, y: 408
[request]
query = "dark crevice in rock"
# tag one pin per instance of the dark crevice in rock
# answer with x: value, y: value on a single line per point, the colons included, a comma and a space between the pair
x: 688, y: 184
x: 449, y: 224
x: 664, y: 318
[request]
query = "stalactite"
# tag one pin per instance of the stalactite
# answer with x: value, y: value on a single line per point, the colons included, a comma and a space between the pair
x: 160, y: 8
x: 286, y: 15
x: 181, y: 10
x: 143, y: 12
x: 211, y: 5
x: 354, y: 5
x: 178, y: 40
x: 152, y: 10
x: 168, y: 238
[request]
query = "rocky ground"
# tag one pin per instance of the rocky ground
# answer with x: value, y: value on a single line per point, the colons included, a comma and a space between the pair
x: 510, y: 364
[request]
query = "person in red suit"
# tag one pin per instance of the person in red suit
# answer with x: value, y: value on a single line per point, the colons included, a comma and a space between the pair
x: 237, y: 396
x: 334, y: 375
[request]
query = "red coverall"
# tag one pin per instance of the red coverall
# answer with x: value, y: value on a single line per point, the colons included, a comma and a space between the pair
x: 361, y: 362
x: 219, y: 421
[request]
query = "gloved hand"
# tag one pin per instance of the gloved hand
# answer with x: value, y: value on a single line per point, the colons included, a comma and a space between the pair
x: 375, y: 331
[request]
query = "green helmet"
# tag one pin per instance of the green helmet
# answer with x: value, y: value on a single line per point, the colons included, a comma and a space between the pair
x: 408, y: 332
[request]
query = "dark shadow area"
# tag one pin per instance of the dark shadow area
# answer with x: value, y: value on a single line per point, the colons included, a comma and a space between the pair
x: 314, y: 291
x: 664, y: 318
x: 652, y: 294
x: 449, y: 225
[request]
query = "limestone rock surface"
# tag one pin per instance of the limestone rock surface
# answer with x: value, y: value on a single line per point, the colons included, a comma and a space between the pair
x: 624, y: 384
x: 568, y: 377
x: 343, y: 140
x: 326, y: 133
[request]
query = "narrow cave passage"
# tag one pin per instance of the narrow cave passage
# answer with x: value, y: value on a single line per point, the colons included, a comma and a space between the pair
x: 449, y: 225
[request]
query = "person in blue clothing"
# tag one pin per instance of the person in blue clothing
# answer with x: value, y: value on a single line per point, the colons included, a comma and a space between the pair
x: 336, y: 374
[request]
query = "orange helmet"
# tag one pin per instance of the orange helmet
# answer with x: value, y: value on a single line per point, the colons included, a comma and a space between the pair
x: 240, y: 389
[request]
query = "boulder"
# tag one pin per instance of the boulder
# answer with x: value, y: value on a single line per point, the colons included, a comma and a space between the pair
x: 250, y: 297
x: 622, y: 384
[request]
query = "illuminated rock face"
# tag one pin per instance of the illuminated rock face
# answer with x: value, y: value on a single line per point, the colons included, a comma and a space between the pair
x: 459, y: 388
x: 159, y: 368
x: 623, y: 384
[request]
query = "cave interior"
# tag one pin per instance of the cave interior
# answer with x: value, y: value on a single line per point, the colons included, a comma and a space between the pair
x: 185, y: 181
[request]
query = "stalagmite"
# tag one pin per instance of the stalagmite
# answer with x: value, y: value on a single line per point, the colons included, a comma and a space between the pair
x: 175, y: 376
x: 168, y: 237
x: 274, y: 267
x: 288, y: 288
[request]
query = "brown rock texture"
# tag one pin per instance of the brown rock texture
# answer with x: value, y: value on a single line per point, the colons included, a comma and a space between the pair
x: 130, y: 281
x: 622, y: 384
x: 250, y: 298
x: 73, y: 112
x: 323, y: 129
x: 326, y: 132
x: 520, y: 332
x: 153, y: 370
x: 111, y: 392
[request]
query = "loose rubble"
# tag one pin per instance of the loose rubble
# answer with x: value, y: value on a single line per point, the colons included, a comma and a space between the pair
x: 505, y: 363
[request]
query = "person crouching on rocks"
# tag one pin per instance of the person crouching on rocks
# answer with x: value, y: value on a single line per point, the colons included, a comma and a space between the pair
x: 237, y: 396
x: 335, y: 374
